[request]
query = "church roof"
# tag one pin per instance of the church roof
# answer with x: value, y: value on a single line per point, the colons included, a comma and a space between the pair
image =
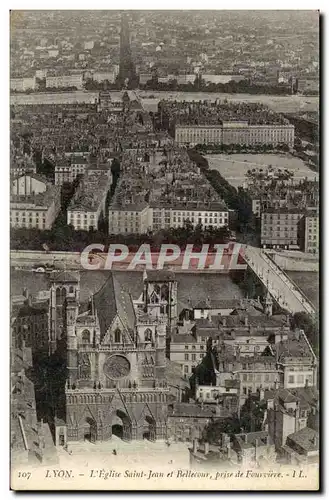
x: 65, y: 276
x: 111, y: 300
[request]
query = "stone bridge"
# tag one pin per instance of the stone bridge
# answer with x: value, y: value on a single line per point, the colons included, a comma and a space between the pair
x: 279, y: 285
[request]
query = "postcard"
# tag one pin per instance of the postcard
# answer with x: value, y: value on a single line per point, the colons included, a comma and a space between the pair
x: 164, y: 214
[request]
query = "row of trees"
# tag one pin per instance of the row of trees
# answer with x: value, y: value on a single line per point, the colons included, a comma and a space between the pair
x: 231, y: 87
x: 63, y: 237
x: 45, y: 89
x: 236, y: 199
x: 241, y: 148
x: 91, y: 84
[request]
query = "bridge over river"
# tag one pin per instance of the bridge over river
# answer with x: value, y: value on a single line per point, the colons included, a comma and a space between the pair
x: 283, y: 290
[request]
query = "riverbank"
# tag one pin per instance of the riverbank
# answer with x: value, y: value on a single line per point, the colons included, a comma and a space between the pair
x: 296, y: 261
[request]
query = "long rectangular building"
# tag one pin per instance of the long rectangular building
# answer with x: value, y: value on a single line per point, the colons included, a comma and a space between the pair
x: 214, y: 214
x: 235, y: 133
x: 140, y: 217
x: 65, y: 81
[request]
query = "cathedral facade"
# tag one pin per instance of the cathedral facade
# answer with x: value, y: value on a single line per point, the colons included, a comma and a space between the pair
x: 115, y: 357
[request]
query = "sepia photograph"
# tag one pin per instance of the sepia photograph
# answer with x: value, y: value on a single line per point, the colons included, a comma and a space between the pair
x: 164, y: 250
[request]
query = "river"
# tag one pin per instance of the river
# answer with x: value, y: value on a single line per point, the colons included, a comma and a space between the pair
x: 150, y: 99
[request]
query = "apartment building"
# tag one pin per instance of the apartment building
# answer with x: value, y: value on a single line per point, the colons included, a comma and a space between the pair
x: 288, y: 418
x: 41, y: 73
x: 212, y: 214
x: 302, y: 448
x: 160, y: 217
x: 228, y: 389
x: 89, y: 201
x: 130, y: 218
x: 311, y: 229
x: 183, y: 79
x: 63, y: 173
x: 102, y: 76
x: 34, y: 203
x: 204, y: 309
x: 144, y: 78
x: 190, y: 348
x: 22, y: 166
x: 281, y: 228
x: 198, y: 134
x: 29, y: 324
x: 68, y: 170
x: 140, y: 217
x: 258, y: 205
x: 65, y: 81
x: 22, y: 84
x: 271, y: 134
x: 258, y: 350
x: 287, y: 361
x: 188, y: 351
x: 235, y: 133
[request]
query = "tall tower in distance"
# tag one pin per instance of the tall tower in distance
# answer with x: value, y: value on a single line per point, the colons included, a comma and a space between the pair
x: 127, y: 72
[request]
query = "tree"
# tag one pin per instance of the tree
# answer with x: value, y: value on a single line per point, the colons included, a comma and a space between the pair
x: 252, y: 414
x: 213, y: 431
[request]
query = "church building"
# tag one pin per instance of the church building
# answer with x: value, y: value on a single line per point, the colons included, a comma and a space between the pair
x: 115, y: 357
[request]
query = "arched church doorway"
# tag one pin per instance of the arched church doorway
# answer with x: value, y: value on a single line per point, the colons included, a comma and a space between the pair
x: 117, y: 430
x: 149, y: 429
x: 90, y: 430
x: 121, y: 425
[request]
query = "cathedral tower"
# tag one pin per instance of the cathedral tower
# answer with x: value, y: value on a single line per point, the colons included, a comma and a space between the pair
x: 160, y: 295
x: 71, y: 312
x: 64, y: 286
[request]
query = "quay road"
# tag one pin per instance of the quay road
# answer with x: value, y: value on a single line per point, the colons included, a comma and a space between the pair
x: 54, y: 261
x: 279, y: 285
